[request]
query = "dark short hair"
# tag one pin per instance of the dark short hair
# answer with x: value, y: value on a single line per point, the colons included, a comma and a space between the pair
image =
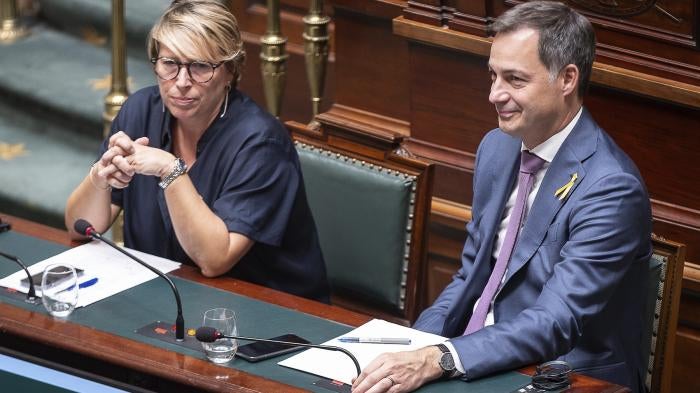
x: 566, y: 37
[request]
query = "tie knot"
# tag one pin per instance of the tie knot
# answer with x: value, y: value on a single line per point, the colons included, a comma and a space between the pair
x: 530, y: 163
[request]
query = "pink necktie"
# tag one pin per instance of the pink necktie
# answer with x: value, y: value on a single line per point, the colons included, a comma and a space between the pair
x: 530, y: 164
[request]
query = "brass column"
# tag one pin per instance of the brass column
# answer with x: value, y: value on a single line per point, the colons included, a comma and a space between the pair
x: 10, y: 30
x: 273, y: 59
x: 316, y: 53
x: 118, y: 92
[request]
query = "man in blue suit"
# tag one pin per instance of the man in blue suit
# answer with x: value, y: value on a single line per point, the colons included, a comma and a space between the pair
x: 556, y: 255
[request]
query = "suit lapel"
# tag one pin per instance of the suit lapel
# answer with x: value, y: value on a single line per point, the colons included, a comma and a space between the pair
x: 578, y: 146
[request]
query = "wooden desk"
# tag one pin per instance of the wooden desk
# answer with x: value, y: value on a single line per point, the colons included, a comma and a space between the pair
x: 138, y: 363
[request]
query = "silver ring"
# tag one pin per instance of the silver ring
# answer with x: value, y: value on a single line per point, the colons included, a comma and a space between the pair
x: 391, y: 380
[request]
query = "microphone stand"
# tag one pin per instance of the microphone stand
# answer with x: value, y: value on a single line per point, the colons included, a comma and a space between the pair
x: 180, y: 320
x: 31, y: 294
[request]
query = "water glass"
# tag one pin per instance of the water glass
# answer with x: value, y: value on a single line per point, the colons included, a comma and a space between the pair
x: 59, y: 290
x: 223, y: 320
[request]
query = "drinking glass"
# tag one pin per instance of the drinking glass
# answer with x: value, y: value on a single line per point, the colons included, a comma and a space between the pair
x: 59, y: 290
x: 223, y: 320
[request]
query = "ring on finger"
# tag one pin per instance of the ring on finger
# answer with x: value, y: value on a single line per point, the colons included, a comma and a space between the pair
x: 391, y: 380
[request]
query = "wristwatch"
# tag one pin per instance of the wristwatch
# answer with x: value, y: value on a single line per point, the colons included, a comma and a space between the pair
x: 180, y: 168
x: 447, y: 362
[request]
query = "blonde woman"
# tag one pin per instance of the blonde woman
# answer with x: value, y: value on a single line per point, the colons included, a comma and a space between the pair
x: 203, y: 174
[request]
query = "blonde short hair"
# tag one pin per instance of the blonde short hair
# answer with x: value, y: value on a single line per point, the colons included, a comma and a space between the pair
x: 200, y: 30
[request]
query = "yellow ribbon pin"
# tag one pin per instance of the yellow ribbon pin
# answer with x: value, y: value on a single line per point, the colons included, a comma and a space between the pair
x: 563, y: 191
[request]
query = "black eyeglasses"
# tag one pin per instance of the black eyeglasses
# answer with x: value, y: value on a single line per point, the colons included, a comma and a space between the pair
x: 199, y: 71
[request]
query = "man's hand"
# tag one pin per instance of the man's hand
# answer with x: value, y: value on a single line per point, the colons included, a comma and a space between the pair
x: 399, y: 372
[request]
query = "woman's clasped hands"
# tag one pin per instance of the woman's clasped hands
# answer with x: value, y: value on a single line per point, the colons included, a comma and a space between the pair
x: 125, y: 158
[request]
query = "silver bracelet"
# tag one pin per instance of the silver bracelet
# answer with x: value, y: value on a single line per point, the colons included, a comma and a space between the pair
x: 180, y: 169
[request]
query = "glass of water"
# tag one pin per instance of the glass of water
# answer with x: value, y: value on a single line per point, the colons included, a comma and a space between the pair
x: 59, y: 290
x: 224, y: 321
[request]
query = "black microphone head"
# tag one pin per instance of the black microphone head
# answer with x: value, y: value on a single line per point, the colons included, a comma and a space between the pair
x: 207, y: 334
x: 83, y: 227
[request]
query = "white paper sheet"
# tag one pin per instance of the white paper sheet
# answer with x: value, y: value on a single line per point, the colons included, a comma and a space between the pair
x: 115, y: 272
x: 337, y: 366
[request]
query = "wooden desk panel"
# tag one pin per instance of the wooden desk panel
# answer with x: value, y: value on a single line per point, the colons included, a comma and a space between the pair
x: 101, y: 352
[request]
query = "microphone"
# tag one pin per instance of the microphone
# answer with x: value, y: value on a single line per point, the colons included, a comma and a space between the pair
x: 209, y: 334
x: 85, y: 228
x: 31, y: 294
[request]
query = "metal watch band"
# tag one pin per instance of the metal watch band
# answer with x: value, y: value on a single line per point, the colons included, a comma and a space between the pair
x: 180, y: 168
x: 447, y: 372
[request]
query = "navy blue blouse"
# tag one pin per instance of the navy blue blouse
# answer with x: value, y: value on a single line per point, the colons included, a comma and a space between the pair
x: 248, y: 173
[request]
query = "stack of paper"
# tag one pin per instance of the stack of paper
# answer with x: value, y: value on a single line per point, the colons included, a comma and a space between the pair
x: 337, y: 366
x: 114, y: 271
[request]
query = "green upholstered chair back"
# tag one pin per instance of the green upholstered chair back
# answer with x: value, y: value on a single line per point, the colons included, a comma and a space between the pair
x: 665, y: 274
x: 363, y: 213
x: 369, y: 206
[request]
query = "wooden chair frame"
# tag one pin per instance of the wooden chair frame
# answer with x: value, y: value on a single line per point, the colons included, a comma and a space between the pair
x: 666, y: 318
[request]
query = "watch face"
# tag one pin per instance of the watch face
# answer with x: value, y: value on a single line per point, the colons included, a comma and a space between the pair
x: 181, y: 166
x: 447, y: 363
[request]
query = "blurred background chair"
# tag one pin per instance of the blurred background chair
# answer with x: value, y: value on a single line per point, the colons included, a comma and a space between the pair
x: 666, y: 272
x: 370, y: 206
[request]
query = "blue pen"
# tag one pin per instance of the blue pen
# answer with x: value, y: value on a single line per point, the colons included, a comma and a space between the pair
x: 87, y: 283
x: 82, y: 285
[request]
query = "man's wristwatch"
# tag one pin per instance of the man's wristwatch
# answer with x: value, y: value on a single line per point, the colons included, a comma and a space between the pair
x: 180, y: 168
x: 447, y: 362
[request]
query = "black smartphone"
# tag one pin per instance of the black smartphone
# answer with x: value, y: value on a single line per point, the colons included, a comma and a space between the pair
x: 257, y: 351
x: 36, y: 278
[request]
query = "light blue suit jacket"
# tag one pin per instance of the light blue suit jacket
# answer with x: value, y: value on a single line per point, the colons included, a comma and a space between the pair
x: 577, y: 280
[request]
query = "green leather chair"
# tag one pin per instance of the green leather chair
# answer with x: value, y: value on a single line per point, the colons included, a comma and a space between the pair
x: 370, y: 216
x: 666, y: 275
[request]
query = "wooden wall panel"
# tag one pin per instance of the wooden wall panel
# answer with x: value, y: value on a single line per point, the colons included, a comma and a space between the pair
x: 687, y: 359
x: 445, y: 243
x: 364, y: 54
x: 448, y: 116
x: 447, y: 98
x: 453, y: 184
